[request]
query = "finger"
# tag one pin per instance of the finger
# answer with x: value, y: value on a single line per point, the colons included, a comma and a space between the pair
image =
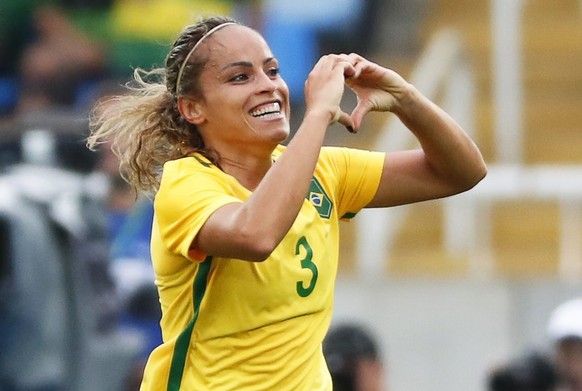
x: 348, y: 69
x: 344, y: 61
x: 336, y: 116
x: 325, y: 62
x: 358, y: 114
x: 352, y: 60
x: 363, y: 66
x: 356, y: 57
x: 346, y: 120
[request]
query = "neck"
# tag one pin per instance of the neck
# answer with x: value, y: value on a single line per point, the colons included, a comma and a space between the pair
x: 248, y: 162
x: 249, y: 171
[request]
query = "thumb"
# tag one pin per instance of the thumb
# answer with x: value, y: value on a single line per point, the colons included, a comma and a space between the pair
x: 359, y: 112
x: 346, y: 120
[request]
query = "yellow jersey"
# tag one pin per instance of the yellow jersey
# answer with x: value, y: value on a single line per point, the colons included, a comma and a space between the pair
x: 229, y: 324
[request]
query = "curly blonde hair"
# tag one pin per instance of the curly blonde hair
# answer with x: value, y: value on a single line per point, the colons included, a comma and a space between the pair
x: 143, y: 125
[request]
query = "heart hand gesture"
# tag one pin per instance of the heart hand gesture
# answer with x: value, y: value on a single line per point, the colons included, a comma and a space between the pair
x: 376, y: 88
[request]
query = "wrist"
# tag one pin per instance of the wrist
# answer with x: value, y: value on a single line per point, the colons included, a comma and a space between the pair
x: 406, y: 97
x: 316, y: 116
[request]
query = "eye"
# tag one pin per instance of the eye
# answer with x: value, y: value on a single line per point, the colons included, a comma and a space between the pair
x: 273, y: 72
x: 239, y: 77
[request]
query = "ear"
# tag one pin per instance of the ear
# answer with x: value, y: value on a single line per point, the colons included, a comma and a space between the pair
x: 191, y: 110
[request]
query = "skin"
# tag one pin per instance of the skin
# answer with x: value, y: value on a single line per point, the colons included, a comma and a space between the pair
x: 370, y: 376
x: 569, y: 363
x: 240, y: 77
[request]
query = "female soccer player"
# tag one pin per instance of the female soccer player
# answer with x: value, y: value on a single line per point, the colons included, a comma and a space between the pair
x: 245, y: 233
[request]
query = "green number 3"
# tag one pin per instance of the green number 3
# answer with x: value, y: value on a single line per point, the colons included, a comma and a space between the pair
x: 306, y: 263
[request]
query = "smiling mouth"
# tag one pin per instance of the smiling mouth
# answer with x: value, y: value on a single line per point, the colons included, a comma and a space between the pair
x: 270, y: 110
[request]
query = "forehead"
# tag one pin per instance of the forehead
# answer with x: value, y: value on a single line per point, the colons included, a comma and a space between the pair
x: 236, y: 43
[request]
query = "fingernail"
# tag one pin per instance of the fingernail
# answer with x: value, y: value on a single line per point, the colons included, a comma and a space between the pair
x: 350, y: 129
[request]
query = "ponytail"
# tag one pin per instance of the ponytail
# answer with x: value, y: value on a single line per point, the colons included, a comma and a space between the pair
x: 144, y: 126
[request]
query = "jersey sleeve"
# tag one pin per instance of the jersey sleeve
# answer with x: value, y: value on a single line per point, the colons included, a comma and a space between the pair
x: 358, y: 174
x: 190, y: 191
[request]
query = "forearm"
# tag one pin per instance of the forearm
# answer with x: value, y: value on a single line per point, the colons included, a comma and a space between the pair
x: 259, y: 224
x: 252, y: 229
x: 283, y: 189
x: 448, y: 149
x: 280, y: 195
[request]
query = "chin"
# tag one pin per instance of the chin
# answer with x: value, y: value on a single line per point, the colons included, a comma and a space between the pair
x: 280, y: 134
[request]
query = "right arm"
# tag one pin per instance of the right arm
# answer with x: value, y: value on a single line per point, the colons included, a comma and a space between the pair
x: 252, y: 229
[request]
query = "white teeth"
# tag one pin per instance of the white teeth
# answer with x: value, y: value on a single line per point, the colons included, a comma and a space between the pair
x: 273, y: 108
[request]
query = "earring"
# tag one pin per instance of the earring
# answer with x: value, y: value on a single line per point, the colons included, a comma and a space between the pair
x: 184, y: 148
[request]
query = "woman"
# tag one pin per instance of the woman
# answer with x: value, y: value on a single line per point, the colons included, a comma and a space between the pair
x: 245, y: 263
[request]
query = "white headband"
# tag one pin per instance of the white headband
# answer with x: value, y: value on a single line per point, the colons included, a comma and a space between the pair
x: 210, y: 32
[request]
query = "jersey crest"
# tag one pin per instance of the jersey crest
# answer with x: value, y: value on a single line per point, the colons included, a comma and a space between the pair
x: 319, y: 199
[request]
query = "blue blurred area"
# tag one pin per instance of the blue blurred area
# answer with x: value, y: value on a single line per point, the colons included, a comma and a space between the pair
x: 294, y: 45
x: 293, y: 30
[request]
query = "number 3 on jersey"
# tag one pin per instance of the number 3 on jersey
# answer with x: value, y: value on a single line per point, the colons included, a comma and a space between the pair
x: 301, y: 247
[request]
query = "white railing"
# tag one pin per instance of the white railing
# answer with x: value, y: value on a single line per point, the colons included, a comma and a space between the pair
x: 443, y: 71
x: 506, y: 60
x: 468, y: 228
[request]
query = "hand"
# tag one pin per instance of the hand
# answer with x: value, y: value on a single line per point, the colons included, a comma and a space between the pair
x: 324, y: 87
x: 376, y: 88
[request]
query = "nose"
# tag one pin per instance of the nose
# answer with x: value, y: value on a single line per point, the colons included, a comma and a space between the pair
x: 266, y: 83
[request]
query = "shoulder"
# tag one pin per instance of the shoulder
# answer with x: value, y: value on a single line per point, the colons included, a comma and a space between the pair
x: 187, y: 166
x: 190, y: 163
x: 190, y: 174
x: 350, y: 157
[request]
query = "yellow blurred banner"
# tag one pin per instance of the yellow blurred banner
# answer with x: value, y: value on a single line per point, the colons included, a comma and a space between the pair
x: 161, y: 19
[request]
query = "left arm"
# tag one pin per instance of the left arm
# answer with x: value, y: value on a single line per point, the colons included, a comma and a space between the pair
x: 448, y: 162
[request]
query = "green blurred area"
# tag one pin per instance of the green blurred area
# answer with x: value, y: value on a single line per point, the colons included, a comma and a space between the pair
x: 134, y: 33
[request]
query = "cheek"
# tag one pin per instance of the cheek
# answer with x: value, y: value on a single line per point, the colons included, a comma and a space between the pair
x: 284, y: 89
x: 220, y: 104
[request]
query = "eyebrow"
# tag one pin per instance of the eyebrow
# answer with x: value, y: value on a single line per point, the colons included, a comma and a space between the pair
x: 247, y: 64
